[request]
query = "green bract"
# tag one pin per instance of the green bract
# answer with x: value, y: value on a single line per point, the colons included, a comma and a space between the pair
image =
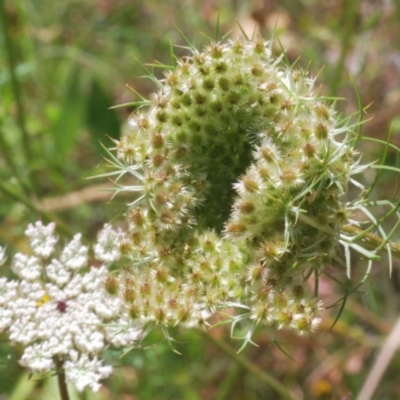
x: 243, y: 174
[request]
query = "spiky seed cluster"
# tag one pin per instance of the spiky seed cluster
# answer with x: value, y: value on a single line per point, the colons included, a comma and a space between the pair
x: 243, y: 182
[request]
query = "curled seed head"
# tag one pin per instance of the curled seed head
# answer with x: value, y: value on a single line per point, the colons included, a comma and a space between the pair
x: 244, y: 187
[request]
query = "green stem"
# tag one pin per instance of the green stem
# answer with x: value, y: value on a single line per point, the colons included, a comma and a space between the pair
x: 315, y: 224
x: 371, y: 241
x: 397, y: 13
x: 61, y: 226
x: 15, y: 84
x: 348, y: 17
x: 7, y: 154
x: 5, y: 149
x: 381, y: 363
x: 252, y: 368
x: 62, y: 385
x: 225, y: 387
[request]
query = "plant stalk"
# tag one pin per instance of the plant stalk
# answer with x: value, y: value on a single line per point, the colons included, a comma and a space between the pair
x: 348, y: 18
x: 372, y: 241
x: 381, y: 363
x: 16, y: 88
x: 252, y: 368
x: 62, y: 385
x: 8, y: 157
x: 61, y: 226
x: 369, y: 240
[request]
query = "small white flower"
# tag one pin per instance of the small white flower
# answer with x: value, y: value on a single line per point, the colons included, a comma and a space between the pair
x: 8, y: 291
x: 23, y: 331
x: 34, y: 358
x: 27, y: 268
x: 74, y: 255
x: 6, y: 318
x: 57, y: 273
x: 89, y: 340
x: 198, y: 318
x: 32, y: 291
x: 122, y: 334
x: 74, y: 286
x: 2, y: 256
x: 107, y: 307
x: 23, y: 307
x: 106, y: 249
x: 85, y: 372
x: 94, y: 279
x: 55, y: 293
x: 42, y: 238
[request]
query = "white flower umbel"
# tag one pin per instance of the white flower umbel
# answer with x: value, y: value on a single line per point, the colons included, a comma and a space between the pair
x: 61, y: 313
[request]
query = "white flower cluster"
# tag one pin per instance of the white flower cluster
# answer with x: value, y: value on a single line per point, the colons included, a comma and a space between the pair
x: 58, y: 311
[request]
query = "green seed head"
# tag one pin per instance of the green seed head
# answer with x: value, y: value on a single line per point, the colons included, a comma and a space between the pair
x: 240, y: 165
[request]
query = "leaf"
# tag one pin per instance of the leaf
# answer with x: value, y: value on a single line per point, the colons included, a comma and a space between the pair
x: 70, y: 118
x: 102, y: 122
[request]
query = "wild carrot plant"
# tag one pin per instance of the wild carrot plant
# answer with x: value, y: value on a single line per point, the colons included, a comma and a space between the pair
x: 240, y: 176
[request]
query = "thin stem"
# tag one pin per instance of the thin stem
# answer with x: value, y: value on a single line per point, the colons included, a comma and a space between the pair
x: 62, y: 385
x: 226, y: 386
x: 397, y: 12
x: 349, y: 18
x: 61, y: 226
x: 316, y: 282
x: 315, y: 224
x: 16, y: 88
x: 369, y: 240
x: 7, y: 154
x: 252, y: 368
x: 372, y: 241
x: 386, y: 353
x: 15, y: 84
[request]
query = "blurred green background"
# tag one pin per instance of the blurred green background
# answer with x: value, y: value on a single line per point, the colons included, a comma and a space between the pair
x: 63, y: 64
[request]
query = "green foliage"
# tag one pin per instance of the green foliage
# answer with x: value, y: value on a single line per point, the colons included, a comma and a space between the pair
x: 102, y: 122
x: 69, y: 119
